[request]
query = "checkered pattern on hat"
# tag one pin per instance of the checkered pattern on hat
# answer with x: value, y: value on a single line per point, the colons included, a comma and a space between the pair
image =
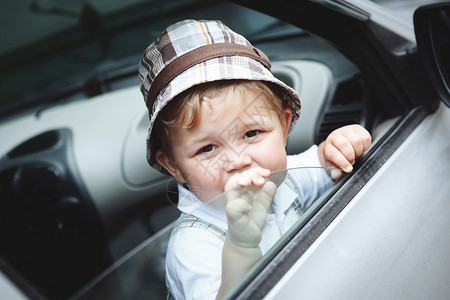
x: 186, y: 36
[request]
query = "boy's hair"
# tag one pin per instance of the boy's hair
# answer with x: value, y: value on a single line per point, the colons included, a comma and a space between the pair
x: 183, y: 111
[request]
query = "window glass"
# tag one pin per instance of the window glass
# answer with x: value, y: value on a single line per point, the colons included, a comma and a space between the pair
x: 141, y: 273
x: 77, y: 45
x: 297, y: 189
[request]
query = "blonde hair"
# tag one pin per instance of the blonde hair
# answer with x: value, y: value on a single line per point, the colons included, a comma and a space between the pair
x: 183, y: 111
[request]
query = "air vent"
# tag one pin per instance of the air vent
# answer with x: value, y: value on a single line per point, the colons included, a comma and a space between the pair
x: 36, y: 185
x: 350, y: 91
x: 38, y: 143
x: 336, y: 119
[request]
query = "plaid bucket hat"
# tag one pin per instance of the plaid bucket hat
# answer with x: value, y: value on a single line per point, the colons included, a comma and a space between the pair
x: 192, y: 52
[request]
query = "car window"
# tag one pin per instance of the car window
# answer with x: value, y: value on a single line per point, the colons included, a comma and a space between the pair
x: 64, y: 58
x: 141, y: 273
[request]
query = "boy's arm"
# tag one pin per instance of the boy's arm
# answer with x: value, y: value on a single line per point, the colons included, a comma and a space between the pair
x: 342, y: 147
x: 236, y: 261
x: 247, y: 215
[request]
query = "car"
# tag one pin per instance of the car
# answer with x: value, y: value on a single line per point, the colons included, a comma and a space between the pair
x: 83, y: 215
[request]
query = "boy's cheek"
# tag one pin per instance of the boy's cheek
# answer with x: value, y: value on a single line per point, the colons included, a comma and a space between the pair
x: 272, y: 158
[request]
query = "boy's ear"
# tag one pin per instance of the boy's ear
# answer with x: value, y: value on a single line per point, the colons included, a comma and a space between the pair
x: 287, y: 119
x: 165, y: 162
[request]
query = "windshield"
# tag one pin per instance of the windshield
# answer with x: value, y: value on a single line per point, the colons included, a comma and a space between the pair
x: 141, y: 274
x: 52, y: 52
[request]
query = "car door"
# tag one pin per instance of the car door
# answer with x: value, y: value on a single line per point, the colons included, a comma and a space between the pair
x: 383, y: 234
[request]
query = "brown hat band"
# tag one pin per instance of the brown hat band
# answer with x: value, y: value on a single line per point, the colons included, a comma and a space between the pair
x: 199, y: 55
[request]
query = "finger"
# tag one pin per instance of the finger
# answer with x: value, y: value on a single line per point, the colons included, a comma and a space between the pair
x: 258, y: 180
x: 237, y: 181
x: 335, y: 158
x: 255, y: 176
x: 261, y: 172
x: 246, y: 178
x: 355, y: 141
x: 267, y: 191
x: 238, y: 206
x: 365, y: 137
x: 269, y: 188
x: 343, y: 145
x: 243, y: 180
x: 335, y: 172
x: 265, y: 194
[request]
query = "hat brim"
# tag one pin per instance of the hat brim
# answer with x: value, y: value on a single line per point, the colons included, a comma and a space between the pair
x: 222, y: 68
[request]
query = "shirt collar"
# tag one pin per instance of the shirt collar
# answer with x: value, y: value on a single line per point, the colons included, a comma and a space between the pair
x: 283, y: 198
x: 190, y: 204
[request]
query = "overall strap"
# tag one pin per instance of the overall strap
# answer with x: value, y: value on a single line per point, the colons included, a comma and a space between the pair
x: 189, y: 221
x: 296, y: 204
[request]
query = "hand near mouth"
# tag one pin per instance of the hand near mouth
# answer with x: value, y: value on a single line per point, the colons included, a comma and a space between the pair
x: 246, y: 209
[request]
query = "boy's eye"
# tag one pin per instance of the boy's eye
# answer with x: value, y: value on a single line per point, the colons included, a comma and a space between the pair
x: 251, y: 133
x: 207, y: 148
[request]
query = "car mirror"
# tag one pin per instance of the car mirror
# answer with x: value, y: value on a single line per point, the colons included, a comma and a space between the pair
x: 432, y: 28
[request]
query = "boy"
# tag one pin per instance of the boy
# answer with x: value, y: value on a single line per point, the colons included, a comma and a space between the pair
x: 218, y: 122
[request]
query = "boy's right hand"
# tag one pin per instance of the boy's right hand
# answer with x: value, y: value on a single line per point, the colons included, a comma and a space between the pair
x: 247, y: 210
x: 342, y: 147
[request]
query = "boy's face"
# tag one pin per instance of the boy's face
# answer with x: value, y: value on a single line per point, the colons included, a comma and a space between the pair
x: 228, y: 139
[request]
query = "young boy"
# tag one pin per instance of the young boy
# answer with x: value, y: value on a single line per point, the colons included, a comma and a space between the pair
x: 219, y: 121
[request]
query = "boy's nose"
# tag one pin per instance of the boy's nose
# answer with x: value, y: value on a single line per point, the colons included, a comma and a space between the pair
x: 237, y: 162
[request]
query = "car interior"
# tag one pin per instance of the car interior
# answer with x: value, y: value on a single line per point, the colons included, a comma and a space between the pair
x: 78, y: 198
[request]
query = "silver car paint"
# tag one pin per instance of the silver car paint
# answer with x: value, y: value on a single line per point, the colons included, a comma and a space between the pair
x: 393, y: 240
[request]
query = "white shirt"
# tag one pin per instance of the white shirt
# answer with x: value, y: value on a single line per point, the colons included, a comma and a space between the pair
x: 194, y: 255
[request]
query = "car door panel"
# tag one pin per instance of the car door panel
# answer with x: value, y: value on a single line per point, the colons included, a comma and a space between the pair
x: 392, y: 240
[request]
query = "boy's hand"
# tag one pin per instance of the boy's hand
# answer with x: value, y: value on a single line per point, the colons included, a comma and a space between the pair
x: 342, y: 147
x: 246, y: 209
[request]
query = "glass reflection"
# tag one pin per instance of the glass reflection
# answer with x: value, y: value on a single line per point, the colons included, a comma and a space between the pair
x: 142, y: 272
